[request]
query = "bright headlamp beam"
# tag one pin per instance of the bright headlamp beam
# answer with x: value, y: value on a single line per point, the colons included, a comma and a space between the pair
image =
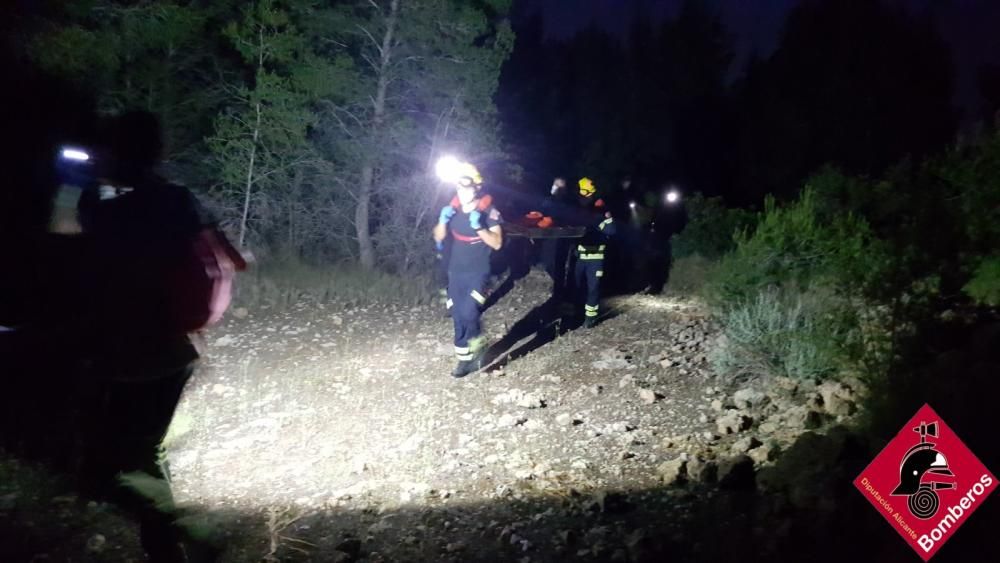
x: 448, y: 168
x: 75, y: 154
x: 673, y: 196
x: 631, y: 205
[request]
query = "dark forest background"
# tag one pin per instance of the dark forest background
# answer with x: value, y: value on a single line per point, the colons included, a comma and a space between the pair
x: 310, y: 126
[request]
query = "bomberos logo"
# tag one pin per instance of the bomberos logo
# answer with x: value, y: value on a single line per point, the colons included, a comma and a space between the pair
x: 940, y: 480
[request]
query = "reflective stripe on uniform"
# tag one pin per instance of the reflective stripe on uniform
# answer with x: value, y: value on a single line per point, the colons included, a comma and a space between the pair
x: 590, y: 310
x: 599, y: 273
x: 463, y: 353
x: 605, y: 223
x: 449, y: 303
x: 598, y: 256
x: 478, y: 297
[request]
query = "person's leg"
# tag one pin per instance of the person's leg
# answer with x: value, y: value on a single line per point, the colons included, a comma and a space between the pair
x: 595, y: 271
x: 459, y: 297
x: 131, y: 419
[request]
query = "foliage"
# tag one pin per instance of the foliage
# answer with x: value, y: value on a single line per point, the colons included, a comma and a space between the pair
x: 798, y: 244
x: 984, y: 286
x: 798, y: 334
x: 689, y: 274
x: 711, y: 228
x: 306, y: 124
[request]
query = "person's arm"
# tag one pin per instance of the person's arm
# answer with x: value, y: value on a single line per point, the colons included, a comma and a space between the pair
x: 439, y: 232
x: 487, y: 227
x: 441, y: 228
x: 492, y: 237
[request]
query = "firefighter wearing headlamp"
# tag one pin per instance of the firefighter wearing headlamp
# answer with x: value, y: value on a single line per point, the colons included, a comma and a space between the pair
x: 474, y: 226
x: 589, y: 268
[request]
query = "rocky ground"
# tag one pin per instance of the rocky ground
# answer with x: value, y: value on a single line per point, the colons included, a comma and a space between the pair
x: 341, y: 424
x: 332, y: 433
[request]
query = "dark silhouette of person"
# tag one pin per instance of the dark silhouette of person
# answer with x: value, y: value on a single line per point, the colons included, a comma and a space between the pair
x: 138, y: 226
x: 555, y: 251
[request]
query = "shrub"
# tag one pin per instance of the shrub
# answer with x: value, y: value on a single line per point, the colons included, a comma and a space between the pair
x: 798, y: 334
x: 984, y: 287
x: 689, y: 274
x: 710, y: 228
x: 795, y: 245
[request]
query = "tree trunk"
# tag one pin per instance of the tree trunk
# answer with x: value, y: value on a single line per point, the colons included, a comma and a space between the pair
x: 253, y: 148
x: 361, y: 214
x: 249, y: 187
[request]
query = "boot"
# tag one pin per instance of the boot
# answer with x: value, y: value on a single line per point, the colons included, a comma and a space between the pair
x: 590, y: 322
x: 464, y: 368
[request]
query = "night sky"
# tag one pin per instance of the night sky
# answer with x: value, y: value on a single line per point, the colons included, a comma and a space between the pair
x: 971, y: 27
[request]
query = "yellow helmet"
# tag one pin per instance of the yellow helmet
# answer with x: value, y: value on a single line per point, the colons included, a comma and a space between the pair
x: 469, y: 176
x: 587, y: 188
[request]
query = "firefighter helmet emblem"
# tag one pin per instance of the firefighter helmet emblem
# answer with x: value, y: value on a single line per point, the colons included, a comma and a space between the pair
x: 919, y: 471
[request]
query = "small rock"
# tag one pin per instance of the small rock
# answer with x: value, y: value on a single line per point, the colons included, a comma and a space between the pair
x: 838, y: 399
x: 508, y: 421
x: 804, y: 417
x: 733, y: 422
x: 564, y: 419
x: 745, y: 444
x: 717, y: 405
x: 702, y: 471
x: 749, y: 398
x: 240, y: 312
x: 531, y: 401
x: 596, y: 390
x: 647, y: 396
x: 672, y: 472
x: 764, y: 453
x: 703, y: 418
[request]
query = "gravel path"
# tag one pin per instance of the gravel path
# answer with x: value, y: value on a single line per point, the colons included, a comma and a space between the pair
x: 318, y: 411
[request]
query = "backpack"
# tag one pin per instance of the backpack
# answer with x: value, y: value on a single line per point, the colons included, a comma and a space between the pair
x: 200, y: 288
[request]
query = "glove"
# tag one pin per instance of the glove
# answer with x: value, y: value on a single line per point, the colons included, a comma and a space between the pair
x: 474, y: 219
x: 447, y: 212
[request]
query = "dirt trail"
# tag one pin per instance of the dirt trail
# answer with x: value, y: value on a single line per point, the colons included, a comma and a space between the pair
x: 318, y: 409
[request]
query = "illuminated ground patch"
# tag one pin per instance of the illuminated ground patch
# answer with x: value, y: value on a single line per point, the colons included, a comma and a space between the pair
x: 355, y: 409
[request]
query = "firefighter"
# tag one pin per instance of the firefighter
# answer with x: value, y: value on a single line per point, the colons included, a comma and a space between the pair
x: 589, y: 268
x: 474, y: 226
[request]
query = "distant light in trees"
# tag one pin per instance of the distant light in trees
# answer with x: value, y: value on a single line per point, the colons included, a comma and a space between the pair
x: 75, y: 154
x: 673, y: 196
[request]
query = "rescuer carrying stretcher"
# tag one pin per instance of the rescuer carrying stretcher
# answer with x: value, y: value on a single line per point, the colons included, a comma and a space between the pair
x: 589, y: 267
x: 474, y: 226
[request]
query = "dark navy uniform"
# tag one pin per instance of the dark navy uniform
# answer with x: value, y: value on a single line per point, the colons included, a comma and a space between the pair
x: 589, y: 267
x: 468, y: 270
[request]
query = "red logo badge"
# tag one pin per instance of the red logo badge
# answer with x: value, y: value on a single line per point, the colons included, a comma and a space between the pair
x: 926, y: 483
